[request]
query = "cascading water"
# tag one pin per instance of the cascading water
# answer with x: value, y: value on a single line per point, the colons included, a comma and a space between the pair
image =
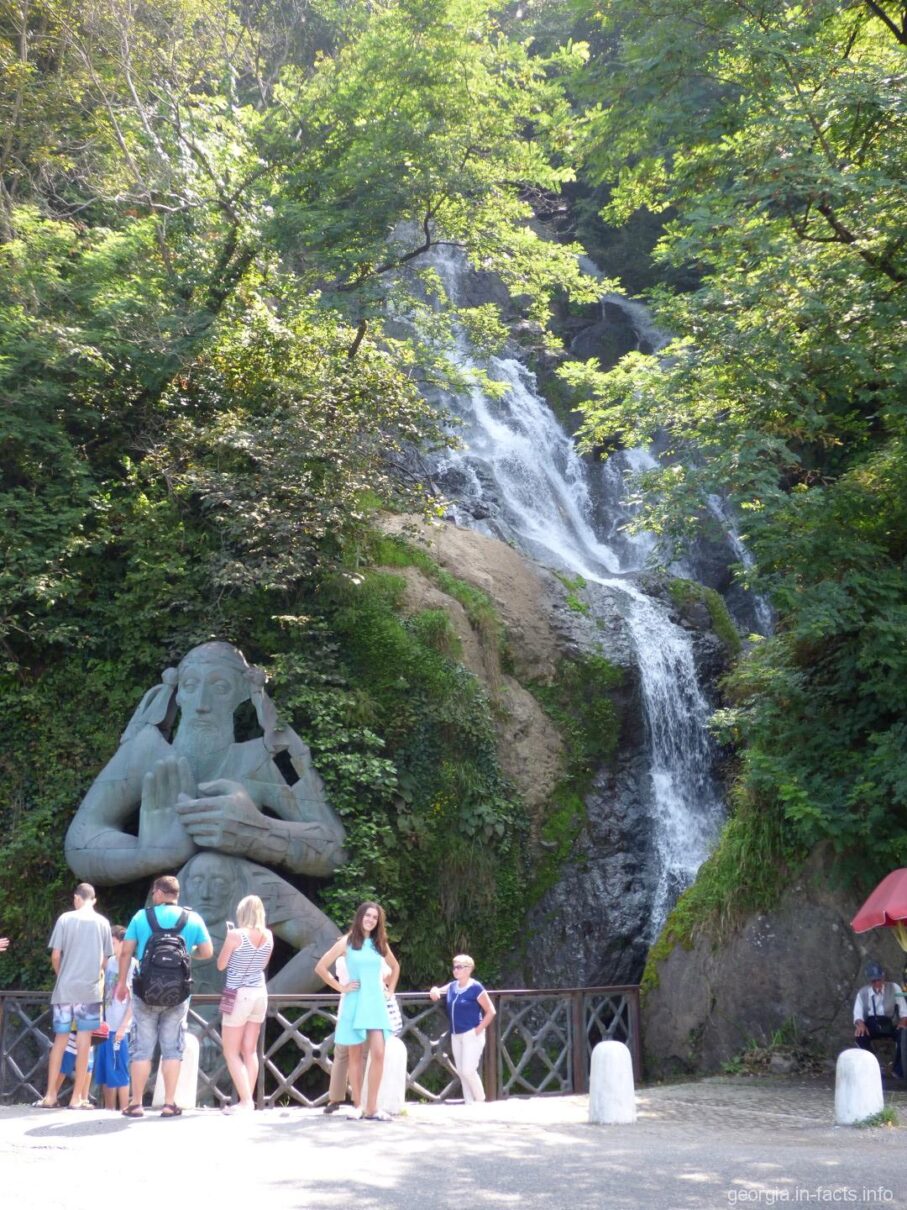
x: 518, y: 477
x: 765, y: 618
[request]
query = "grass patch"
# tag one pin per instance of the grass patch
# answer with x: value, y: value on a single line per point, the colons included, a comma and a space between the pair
x: 391, y: 550
x: 579, y: 701
x: 689, y: 592
x: 787, y: 1042
x: 885, y: 1117
x: 573, y: 586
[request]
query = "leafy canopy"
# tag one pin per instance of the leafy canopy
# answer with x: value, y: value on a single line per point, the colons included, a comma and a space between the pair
x: 773, y: 139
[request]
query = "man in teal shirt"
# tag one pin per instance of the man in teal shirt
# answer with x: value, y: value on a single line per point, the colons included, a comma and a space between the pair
x: 153, y: 1025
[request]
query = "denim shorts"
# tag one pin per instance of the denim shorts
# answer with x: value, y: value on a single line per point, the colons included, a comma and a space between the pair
x: 78, y: 1016
x: 150, y: 1026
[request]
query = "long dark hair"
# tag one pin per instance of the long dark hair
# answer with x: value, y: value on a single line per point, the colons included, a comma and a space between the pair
x: 378, y: 933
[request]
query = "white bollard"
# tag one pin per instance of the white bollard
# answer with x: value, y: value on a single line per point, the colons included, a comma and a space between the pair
x: 187, y: 1084
x: 611, y: 1095
x: 858, y: 1086
x: 392, y: 1093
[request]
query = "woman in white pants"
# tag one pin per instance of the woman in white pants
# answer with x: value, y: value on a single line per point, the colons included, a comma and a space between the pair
x: 471, y: 1012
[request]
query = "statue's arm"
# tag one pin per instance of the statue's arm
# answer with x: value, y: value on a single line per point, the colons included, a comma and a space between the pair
x: 227, y: 817
x: 307, y: 837
x: 313, y: 934
x: 305, y: 848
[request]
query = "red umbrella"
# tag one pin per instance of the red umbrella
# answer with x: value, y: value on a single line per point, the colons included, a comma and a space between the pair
x: 887, y: 905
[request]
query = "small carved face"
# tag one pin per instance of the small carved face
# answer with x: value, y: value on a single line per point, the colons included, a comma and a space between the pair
x: 211, y: 887
x: 208, y: 694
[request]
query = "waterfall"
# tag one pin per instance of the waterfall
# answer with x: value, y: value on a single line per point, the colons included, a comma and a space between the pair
x: 765, y: 618
x: 518, y: 477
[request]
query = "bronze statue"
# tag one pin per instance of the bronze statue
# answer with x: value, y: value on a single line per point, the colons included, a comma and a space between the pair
x: 202, y: 793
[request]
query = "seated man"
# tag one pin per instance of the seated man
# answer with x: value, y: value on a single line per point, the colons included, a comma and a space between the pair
x: 880, y: 1011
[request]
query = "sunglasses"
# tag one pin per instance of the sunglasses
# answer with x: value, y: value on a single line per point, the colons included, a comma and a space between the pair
x: 460, y: 966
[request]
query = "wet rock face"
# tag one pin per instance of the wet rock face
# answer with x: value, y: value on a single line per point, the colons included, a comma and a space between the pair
x: 709, y: 652
x: 591, y: 928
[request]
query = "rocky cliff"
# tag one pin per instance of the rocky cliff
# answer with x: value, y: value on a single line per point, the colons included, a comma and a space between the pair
x: 791, y: 972
x: 589, y: 922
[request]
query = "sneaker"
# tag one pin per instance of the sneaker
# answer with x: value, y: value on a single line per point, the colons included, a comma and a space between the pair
x: 331, y: 1107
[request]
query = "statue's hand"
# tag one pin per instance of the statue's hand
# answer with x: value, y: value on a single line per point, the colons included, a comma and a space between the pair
x: 225, y: 819
x: 160, y: 827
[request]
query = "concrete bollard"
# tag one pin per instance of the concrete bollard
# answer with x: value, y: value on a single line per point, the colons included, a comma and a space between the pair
x: 858, y: 1086
x: 392, y: 1093
x: 187, y: 1084
x: 611, y: 1095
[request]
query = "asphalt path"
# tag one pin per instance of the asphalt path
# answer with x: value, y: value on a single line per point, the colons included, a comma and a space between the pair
x: 714, y: 1143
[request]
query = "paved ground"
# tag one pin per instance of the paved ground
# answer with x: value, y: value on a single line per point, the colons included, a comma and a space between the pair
x: 728, y: 1141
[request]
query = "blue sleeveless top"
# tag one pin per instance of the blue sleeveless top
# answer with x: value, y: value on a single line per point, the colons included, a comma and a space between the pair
x: 463, y: 1006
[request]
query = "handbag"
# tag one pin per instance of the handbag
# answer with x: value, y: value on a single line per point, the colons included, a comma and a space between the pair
x: 229, y: 994
x: 101, y: 1034
x: 394, y: 1014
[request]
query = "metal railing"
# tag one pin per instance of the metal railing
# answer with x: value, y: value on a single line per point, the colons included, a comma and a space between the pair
x: 541, y: 1043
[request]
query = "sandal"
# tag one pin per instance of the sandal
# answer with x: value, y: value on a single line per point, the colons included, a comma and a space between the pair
x: 42, y: 1104
x: 133, y: 1111
x: 171, y: 1111
x: 380, y: 1116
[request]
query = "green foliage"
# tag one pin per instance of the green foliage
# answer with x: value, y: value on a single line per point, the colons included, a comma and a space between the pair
x: 54, y: 734
x: 686, y: 592
x: 885, y: 1117
x: 746, y: 873
x: 801, y: 1053
x: 427, y: 124
x: 401, y: 735
x: 775, y: 139
x: 203, y: 214
x: 396, y: 551
x: 435, y: 832
x: 204, y: 208
x: 580, y: 701
x: 574, y: 586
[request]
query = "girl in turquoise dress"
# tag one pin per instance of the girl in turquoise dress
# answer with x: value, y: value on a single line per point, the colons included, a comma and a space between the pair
x: 363, y: 1019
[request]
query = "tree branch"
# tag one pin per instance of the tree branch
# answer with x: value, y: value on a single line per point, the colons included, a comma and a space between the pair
x: 360, y: 336
x: 846, y: 236
x: 878, y: 11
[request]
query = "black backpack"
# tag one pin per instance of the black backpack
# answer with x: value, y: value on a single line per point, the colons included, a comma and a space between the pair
x: 164, y: 977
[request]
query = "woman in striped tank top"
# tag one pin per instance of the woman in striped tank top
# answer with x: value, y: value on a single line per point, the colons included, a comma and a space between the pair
x: 244, y: 955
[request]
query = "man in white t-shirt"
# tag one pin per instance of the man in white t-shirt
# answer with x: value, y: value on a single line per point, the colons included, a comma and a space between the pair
x: 79, y: 946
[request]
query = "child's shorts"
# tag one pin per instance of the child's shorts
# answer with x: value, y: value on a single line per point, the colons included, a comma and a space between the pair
x: 111, y: 1067
x: 68, y: 1065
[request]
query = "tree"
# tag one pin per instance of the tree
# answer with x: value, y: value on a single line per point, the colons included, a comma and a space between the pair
x: 429, y: 126
x: 776, y: 134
